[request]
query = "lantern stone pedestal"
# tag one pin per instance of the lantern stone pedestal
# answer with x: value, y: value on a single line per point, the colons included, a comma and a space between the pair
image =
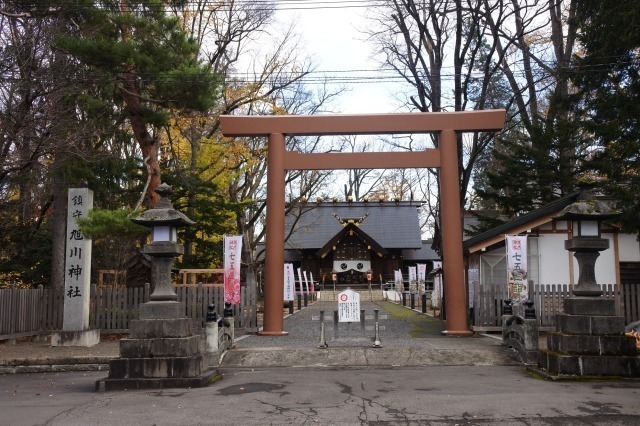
x: 589, y: 341
x: 162, y: 351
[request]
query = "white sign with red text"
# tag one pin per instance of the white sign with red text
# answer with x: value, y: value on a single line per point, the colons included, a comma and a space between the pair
x: 348, y: 306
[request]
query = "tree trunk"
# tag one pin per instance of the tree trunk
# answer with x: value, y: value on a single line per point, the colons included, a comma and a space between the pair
x: 58, y: 226
x: 146, y: 142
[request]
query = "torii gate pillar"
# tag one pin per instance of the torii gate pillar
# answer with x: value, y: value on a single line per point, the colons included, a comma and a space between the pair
x: 445, y: 157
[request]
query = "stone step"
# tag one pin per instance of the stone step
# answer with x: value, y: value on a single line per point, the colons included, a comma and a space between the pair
x: 162, y: 367
x: 365, y: 295
x: 580, y: 344
x: 590, y: 324
x: 160, y: 347
x: 589, y: 365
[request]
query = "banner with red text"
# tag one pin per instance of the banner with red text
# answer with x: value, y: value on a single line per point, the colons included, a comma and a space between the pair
x: 517, y: 267
x: 232, y: 253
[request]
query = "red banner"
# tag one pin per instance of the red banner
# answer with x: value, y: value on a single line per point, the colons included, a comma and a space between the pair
x: 232, y: 254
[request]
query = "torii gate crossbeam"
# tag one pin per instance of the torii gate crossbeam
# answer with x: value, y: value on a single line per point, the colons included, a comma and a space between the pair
x: 446, y: 124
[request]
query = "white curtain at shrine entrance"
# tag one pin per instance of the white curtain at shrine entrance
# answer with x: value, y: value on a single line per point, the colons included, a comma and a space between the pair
x: 347, y: 265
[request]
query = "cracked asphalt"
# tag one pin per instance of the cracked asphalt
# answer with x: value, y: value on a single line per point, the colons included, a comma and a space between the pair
x: 418, y: 377
x: 433, y: 395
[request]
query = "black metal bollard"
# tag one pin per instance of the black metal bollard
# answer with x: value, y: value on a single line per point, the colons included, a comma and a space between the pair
x: 299, y: 301
x: 424, y: 303
x: 529, y: 311
x: 306, y: 299
x: 404, y: 298
x: 212, y: 316
x: 413, y: 300
x: 290, y: 306
x: 507, y: 309
x: 228, y: 310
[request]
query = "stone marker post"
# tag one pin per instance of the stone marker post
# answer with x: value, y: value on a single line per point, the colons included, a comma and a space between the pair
x: 75, y: 326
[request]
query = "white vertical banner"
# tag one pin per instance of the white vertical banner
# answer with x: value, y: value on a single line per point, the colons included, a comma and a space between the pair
x: 422, y: 277
x: 517, y: 267
x: 300, y: 280
x: 77, y: 263
x: 289, y: 282
x: 306, y: 281
x: 436, y: 295
x: 413, y: 278
x: 232, y: 253
x: 313, y: 287
x: 399, y: 284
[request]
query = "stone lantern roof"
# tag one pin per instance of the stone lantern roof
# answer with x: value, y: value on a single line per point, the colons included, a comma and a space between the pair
x: 163, y: 213
x: 588, y: 207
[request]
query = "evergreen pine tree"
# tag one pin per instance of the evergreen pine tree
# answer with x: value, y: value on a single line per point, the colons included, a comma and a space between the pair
x: 608, y: 76
x: 150, y: 63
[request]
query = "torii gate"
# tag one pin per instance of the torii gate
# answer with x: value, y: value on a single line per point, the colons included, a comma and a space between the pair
x: 445, y: 157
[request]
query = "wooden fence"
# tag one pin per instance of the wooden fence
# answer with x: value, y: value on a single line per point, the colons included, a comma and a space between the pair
x: 547, y: 298
x: 20, y: 312
x: 28, y: 312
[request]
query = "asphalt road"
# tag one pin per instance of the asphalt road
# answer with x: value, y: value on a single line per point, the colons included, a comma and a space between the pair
x: 432, y: 395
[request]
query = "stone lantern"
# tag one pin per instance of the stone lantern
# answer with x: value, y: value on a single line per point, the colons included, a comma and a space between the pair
x: 586, y: 216
x: 164, y: 248
x: 162, y: 351
x: 589, y: 338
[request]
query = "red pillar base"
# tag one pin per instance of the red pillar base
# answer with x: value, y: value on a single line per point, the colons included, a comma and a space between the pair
x: 465, y: 333
x: 272, y: 333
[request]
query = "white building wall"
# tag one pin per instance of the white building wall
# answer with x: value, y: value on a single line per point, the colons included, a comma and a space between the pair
x: 629, y: 248
x: 554, y: 259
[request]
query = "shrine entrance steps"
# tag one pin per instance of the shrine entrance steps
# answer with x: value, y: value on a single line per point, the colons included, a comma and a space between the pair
x: 365, y: 295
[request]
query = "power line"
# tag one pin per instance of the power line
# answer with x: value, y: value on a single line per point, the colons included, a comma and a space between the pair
x: 383, y: 74
x: 256, y: 5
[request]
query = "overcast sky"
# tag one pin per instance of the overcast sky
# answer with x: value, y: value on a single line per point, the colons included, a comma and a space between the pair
x: 331, y: 37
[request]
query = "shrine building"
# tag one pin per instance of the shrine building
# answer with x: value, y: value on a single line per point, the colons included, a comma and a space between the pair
x: 353, y: 239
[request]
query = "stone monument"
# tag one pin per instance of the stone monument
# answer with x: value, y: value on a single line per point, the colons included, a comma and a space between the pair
x: 162, y: 351
x: 75, y: 325
x: 589, y: 339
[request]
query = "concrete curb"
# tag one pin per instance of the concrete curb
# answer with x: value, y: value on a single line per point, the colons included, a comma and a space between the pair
x: 47, y: 365
x: 363, y: 357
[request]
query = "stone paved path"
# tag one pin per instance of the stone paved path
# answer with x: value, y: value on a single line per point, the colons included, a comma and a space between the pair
x: 408, y: 339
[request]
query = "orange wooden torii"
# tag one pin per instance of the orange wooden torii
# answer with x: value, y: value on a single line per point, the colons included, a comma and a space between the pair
x: 445, y: 157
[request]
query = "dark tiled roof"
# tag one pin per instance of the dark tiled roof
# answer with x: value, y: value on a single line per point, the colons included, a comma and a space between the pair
x: 424, y: 253
x: 392, y: 225
x: 548, y: 209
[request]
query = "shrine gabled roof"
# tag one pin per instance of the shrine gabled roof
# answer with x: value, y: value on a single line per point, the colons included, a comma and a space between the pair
x: 351, y: 228
x: 393, y: 225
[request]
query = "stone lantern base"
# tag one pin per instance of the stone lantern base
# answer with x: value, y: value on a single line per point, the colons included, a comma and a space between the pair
x: 162, y: 352
x: 589, y: 341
